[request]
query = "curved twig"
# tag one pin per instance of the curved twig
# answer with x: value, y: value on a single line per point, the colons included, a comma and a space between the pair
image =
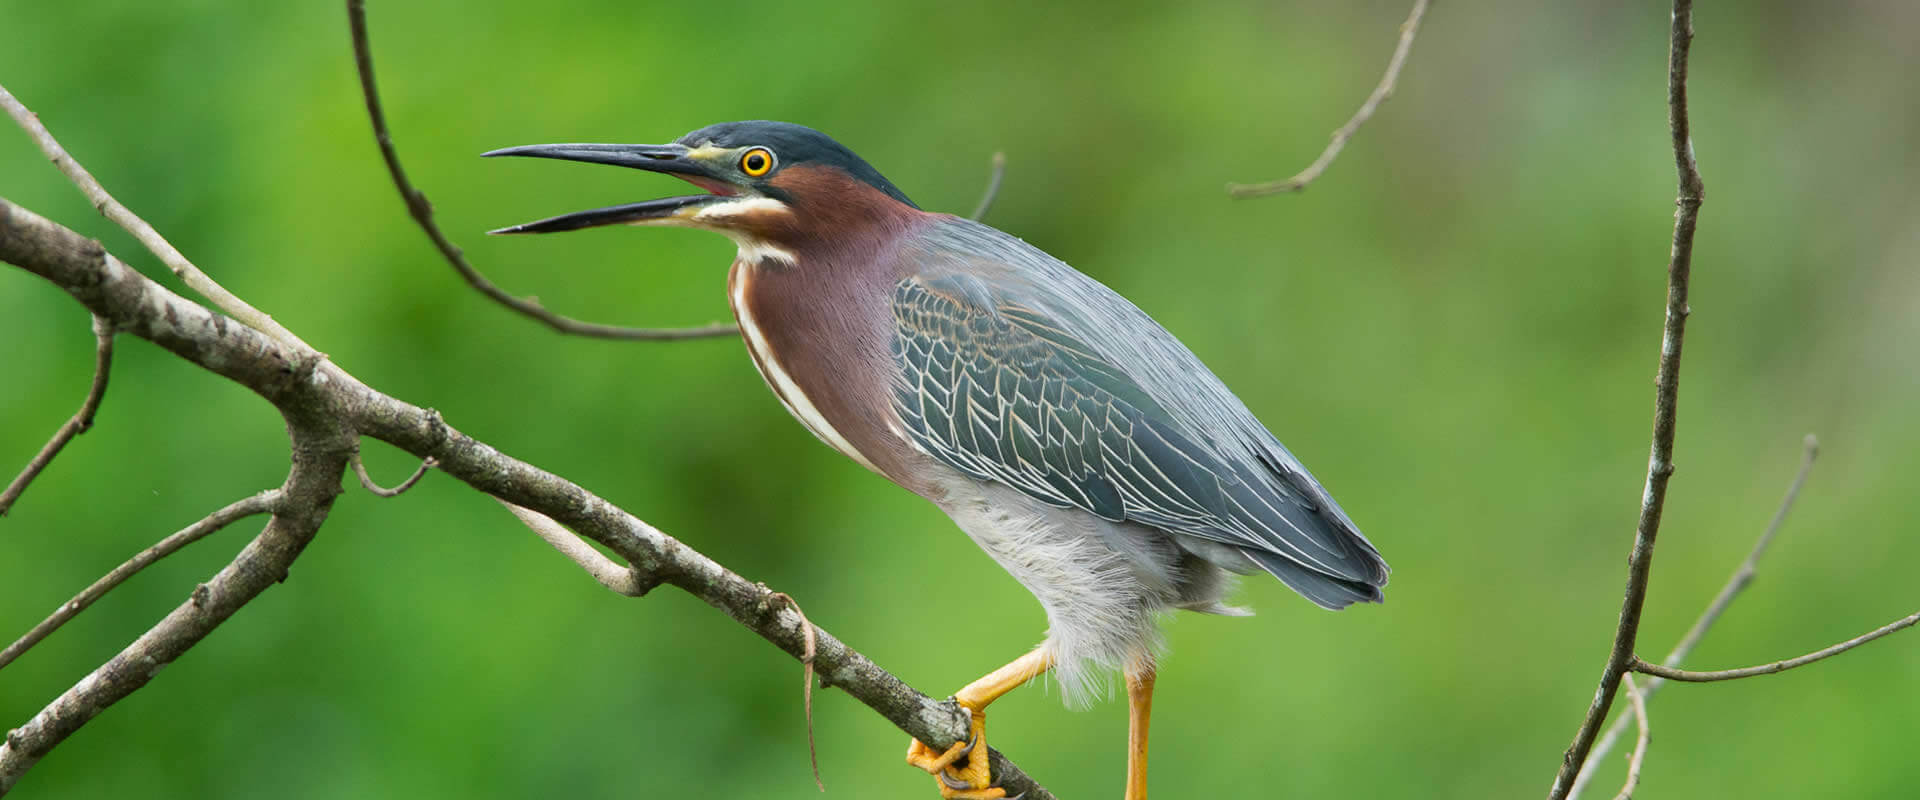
x: 1339, y: 142
x: 422, y: 213
x: 148, y: 237
x: 618, y: 578
x: 1666, y: 400
x: 999, y: 171
x: 239, y: 509
x: 1778, y: 666
x: 78, y: 424
x: 366, y: 481
x: 1639, y: 756
x: 806, y: 678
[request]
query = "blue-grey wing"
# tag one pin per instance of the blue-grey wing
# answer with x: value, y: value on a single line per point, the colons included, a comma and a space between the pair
x: 1005, y: 391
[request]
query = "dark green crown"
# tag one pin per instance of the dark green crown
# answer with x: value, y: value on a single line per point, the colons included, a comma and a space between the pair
x: 794, y: 144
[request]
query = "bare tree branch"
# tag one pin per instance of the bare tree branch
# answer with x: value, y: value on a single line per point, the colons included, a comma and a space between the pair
x: 422, y: 213
x: 320, y: 449
x: 999, y: 171
x: 308, y: 389
x: 1778, y: 666
x: 150, y: 238
x: 1741, y: 578
x: 1666, y: 401
x: 78, y: 424
x: 1640, y: 746
x: 366, y: 481
x: 1380, y: 94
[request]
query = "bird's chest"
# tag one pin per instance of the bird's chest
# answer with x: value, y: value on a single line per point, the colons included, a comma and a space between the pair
x: 820, y: 354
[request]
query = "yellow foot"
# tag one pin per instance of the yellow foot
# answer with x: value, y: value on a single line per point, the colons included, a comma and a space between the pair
x: 961, y: 772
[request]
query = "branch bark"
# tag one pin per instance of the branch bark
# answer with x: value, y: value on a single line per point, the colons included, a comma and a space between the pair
x: 308, y: 388
x: 1666, y: 402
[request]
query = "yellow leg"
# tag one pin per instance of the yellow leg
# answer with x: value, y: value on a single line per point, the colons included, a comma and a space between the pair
x: 971, y: 780
x: 1139, y: 709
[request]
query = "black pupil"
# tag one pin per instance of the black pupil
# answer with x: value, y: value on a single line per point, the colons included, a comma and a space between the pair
x: 756, y: 162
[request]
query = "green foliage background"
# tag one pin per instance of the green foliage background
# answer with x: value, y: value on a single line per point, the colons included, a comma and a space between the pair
x: 1456, y: 328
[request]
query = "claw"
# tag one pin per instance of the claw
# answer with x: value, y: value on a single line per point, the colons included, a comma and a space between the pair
x: 962, y: 753
x: 1017, y: 796
x: 953, y: 783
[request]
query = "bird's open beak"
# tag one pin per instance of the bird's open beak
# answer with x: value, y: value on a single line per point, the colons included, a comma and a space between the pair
x: 673, y: 159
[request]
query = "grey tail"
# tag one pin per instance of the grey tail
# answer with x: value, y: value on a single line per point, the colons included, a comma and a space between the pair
x: 1326, y: 591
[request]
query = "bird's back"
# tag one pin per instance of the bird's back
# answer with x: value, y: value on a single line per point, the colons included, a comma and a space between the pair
x: 1018, y: 369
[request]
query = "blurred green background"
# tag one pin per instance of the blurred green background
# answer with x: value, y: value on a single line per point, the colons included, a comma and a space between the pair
x: 1456, y: 328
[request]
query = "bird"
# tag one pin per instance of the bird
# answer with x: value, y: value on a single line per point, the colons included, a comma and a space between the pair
x: 1089, y: 452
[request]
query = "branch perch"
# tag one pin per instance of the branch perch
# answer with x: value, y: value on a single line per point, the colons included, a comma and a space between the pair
x: 1666, y: 403
x: 79, y: 423
x: 305, y: 387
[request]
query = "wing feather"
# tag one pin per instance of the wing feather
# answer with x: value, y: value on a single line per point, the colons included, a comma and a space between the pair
x: 1002, y: 391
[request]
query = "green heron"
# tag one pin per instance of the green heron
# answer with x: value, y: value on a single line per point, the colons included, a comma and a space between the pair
x: 1079, y: 443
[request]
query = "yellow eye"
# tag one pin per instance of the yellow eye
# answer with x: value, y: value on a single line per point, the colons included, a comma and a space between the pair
x: 756, y: 162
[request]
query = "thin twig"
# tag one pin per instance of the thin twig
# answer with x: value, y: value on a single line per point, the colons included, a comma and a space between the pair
x: 993, y: 187
x: 239, y: 509
x: 1640, y: 745
x: 1741, y: 578
x: 150, y: 238
x: 1339, y: 142
x: 619, y: 578
x: 1778, y: 666
x: 79, y: 423
x: 422, y: 213
x: 806, y: 679
x: 1666, y: 397
x: 366, y: 481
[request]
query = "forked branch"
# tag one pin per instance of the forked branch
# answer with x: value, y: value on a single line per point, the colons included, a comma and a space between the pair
x: 1736, y: 583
